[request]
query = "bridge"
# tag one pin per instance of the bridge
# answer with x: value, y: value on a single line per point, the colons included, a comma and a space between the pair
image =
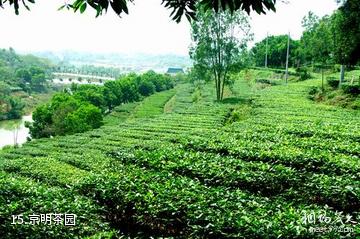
x: 68, y: 78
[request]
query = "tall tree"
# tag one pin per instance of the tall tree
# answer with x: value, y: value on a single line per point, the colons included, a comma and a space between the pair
x: 309, y: 24
x: 346, y: 25
x: 276, y: 54
x: 317, y: 41
x: 218, y: 38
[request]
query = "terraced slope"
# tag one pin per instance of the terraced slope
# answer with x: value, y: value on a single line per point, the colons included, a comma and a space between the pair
x: 184, y: 173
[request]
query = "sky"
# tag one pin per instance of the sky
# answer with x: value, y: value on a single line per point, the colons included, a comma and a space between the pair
x: 147, y: 29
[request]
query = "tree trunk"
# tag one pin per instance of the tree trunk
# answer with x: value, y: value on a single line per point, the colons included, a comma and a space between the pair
x: 222, y: 89
x: 342, y: 74
x: 219, y: 88
x: 216, y: 84
x: 223, y: 85
x: 322, y: 77
x: 287, y: 59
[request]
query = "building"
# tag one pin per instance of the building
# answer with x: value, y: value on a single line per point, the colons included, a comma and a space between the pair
x: 174, y: 71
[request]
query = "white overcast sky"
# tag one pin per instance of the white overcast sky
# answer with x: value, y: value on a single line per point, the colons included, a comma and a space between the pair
x: 148, y: 28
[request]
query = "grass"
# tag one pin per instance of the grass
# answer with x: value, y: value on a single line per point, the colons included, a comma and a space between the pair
x: 186, y: 174
x: 121, y: 113
x: 349, y: 75
x: 152, y: 105
x: 169, y: 106
x: 335, y: 95
x: 31, y: 102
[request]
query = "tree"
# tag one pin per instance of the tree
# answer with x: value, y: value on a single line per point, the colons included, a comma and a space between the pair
x: 91, y: 94
x: 317, y: 44
x: 179, y: 8
x: 199, y: 74
x: 5, y: 90
x: 347, y: 38
x: 42, y: 120
x: 146, y: 87
x: 6, y: 75
x: 310, y: 21
x: 64, y: 114
x: 16, y: 108
x: 23, y: 74
x: 24, y: 78
x: 277, y: 48
x: 334, y: 39
x: 86, y: 117
x: 10, y: 107
x: 346, y: 26
x: 318, y: 41
x: 129, y: 88
x: 217, y: 41
x: 156, y: 79
x: 38, y: 82
x: 112, y: 94
x: 61, y: 126
x: 27, y: 72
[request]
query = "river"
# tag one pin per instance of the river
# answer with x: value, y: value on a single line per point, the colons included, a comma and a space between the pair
x: 14, y: 131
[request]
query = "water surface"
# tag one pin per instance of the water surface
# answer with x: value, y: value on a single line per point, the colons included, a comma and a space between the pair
x: 14, y: 131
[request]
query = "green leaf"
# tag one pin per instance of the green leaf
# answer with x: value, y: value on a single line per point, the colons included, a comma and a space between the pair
x: 125, y: 8
x: 117, y: 7
x: 16, y: 6
x: 83, y: 7
x: 62, y: 7
x: 77, y: 3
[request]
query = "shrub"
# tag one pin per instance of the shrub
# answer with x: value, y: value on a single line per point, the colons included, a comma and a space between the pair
x: 146, y: 88
x: 355, y: 105
x: 313, y: 92
x: 237, y: 114
x: 263, y: 81
x: 10, y: 107
x: 91, y: 94
x: 64, y: 115
x: 86, y: 117
x: 266, y: 82
x: 303, y: 73
x: 333, y: 82
x: 196, y: 95
x: 351, y: 89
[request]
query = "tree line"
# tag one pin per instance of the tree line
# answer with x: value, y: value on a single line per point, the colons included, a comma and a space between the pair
x: 329, y: 40
x: 82, y: 107
x: 89, y: 70
x: 219, y: 44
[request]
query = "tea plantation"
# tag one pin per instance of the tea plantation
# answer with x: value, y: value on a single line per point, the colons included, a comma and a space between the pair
x: 264, y: 163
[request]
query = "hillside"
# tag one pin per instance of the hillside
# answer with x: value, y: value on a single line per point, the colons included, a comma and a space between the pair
x: 23, y: 83
x: 187, y: 173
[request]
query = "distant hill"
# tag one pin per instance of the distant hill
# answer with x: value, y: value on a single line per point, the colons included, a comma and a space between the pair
x: 128, y: 62
x: 23, y: 71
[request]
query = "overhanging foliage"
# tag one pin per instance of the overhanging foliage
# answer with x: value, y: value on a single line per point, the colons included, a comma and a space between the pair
x: 179, y: 7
